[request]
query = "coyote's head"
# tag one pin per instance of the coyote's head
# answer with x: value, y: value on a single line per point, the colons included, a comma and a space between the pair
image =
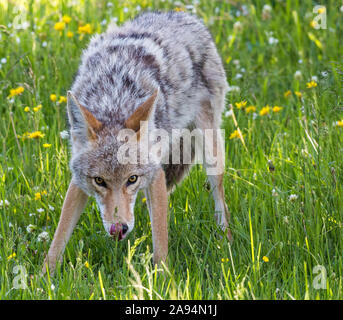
x: 96, y: 168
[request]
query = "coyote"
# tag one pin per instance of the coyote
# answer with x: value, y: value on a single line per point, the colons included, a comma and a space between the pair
x: 159, y: 71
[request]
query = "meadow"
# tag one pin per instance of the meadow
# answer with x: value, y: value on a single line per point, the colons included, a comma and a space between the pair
x: 283, y: 136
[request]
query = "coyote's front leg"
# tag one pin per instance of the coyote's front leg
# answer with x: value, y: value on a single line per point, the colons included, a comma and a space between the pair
x: 73, y: 205
x: 157, y: 201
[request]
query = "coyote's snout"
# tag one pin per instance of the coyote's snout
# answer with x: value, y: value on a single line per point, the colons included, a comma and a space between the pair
x: 142, y: 77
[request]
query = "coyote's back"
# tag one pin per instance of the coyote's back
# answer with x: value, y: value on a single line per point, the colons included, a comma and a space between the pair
x: 173, y: 51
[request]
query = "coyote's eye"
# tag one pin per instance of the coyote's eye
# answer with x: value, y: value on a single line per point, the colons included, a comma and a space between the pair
x: 100, y: 182
x: 132, y: 179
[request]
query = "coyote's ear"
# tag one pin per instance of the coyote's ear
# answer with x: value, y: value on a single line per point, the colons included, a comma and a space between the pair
x: 82, y: 122
x: 143, y: 113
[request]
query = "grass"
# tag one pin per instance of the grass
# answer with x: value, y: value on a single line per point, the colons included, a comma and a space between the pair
x: 283, y: 188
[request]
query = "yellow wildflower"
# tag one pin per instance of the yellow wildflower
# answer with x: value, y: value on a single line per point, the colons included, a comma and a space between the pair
x: 339, y: 123
x: 59, y: 26
x: 26, y: 109
x: 225, y: 259
x: 85, y: 29
x: 35, y: 135
x: 46, y: 145
x: 87, y: 264
x: 241, y: 104
x: 321, y: 10
x: 44, y: 193
x: 70, y: 34
x: 250, y: 109
x: 265, y: 259
x: 298, y: 94
x: 13, y: 255
x: 38, y: 196
x: 53, y: 97
x: 265, y: 110
x: 16, y: 92
x: 277, y: 109
x: 36, y: 109
x: 313, y: 24
x: 235, y: 134
x: 144, y: 200
x: 287, y: 93
x: 311, y: 84
x: 62, y: 99
x: 66, y: 19
x: 178, y: 9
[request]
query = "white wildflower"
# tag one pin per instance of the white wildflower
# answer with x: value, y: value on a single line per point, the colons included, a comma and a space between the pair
x: 4, y: 203
x: 234, y: 89
x: 297, y: 75
x: 238, y: 26
x: 43, y: 236
x: 30, y: 228
x: 293, y: 197
x: 40, y: 210
x: 64, y: 134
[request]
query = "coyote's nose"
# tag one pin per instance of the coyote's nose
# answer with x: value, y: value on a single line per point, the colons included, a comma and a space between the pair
x: 118, y: 230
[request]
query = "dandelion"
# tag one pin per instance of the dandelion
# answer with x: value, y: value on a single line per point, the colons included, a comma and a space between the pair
x: 53, y: 97
x: 36, y: 135
x: 66, y: 19
x: 287, y: 93
x: 36, y: 109
x: 59, y: 26
x: 235, y: 134
x: 293, y: 197
x: 85, y: 29
x: 250, y: 109
x: 241, y: 104
x: 298, y: 94
x: 265, y: 110
x: 38, y: 196
x: 46, y: 145
x: 265, y: 259
x: 43, y: 236
x: 12, y: 256
x: 16, y: 92
x: 277, y: 109
x: 311, y: 84
x: 62, y: 99
x: 26, y: 109
x: 70, y: 34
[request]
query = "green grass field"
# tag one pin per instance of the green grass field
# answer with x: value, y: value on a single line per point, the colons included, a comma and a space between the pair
x: 283, y: 174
